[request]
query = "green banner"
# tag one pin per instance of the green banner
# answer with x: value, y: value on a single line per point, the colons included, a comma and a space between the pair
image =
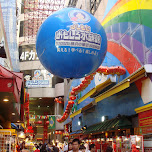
x: 52, y: 122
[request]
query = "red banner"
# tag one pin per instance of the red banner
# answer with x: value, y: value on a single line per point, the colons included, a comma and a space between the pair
x: 146, y: 130
x: 145, y: 122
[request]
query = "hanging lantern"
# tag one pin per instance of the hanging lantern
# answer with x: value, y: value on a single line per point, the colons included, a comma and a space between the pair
x: 47, y: 122
x: 93, y: 74
x: 74, y: 89
x: 120, y: 70
x: 70, y: 102
x: 72, y: 92
x: 104, y: 70
x: 87, y: 77
x: 112, y: 70
x: 67, y: 111
x: 39, y: 122
x: 56, y: 99
x: 72, y: 97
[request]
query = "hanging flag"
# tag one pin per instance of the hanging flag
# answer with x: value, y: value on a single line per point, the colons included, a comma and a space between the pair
x: 51, y: 122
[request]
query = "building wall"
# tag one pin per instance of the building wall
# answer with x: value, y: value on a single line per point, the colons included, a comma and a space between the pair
x: 128, y: 29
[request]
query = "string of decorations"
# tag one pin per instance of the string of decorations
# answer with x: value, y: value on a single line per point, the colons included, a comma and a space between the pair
x: 84, y: 84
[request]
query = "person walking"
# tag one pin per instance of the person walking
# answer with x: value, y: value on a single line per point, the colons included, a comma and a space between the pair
x: 75, y: 145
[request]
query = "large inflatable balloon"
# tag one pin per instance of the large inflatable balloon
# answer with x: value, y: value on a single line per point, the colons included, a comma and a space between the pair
x: 71, y: 43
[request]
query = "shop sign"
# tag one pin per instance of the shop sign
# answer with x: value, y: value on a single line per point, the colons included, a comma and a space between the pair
x: 147, y: 149
x: 145, y: 121
x: 38, y: 80
x: 146, y: 130
x: 37, y: 83
x: 28, y: 56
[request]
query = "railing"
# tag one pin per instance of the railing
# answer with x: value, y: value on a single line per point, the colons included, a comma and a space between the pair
x: 94, y: 6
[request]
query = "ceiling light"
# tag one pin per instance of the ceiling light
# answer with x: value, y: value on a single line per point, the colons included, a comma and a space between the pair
x: 5, y: 100
x: 40, y: 98
x: 38, y: 106
x: 13, y: 114
x: 48, y: 106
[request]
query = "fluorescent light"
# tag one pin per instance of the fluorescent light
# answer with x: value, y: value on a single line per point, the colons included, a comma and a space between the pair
x: 5, y: 100
x: 79, y: 123
x: 103, y: 118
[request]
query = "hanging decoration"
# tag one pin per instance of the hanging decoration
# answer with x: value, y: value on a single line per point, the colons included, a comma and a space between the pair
x: 26, y: 108
x: 84, y: 84
x: 58, y: 100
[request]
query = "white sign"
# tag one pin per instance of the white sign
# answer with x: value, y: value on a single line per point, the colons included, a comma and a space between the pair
x: 37, y: 83
x: 28, y: 56
x: 41, y: 78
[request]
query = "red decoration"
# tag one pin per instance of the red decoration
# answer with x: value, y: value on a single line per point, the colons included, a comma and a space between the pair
x: 47, y: 122
x: 87, y: 80
x: 70, y: 102
x: 72, y: 97
x: 72, y: 92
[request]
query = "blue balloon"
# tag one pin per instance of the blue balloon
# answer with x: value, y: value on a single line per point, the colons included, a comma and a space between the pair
x: 71, y: 43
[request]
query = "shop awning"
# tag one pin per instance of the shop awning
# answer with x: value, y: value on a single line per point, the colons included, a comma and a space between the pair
x: 113, y: 124
x: 140, y: 73
x: 12, y: 90
x: 76, y: 132
x: 98, y: 88
x: 11, y: 84
x: 75, y: 113
x: 96, y: 92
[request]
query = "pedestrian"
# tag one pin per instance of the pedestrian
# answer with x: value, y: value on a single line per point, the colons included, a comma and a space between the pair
x: 69, y: 146
x: 55, y: 148
x: 92, y: 148
x: 37, y: 149
x: 82, y: 148
x: 70, y: 140
x: 75, y: 145
x: 43, y: 148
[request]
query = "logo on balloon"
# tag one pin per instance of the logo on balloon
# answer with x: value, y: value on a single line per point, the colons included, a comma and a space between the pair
x: 79, y: 16
x: 78, y: 36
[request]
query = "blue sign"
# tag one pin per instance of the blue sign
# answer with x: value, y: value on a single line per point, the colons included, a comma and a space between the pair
x: 71, y: 43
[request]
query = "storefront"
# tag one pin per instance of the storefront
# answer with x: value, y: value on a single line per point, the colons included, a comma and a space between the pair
x: 145, y: 125
x: 8, y: 140
x: 12, y: 97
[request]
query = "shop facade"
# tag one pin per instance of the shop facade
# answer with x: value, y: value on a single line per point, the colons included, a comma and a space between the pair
x: 108, y: 97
